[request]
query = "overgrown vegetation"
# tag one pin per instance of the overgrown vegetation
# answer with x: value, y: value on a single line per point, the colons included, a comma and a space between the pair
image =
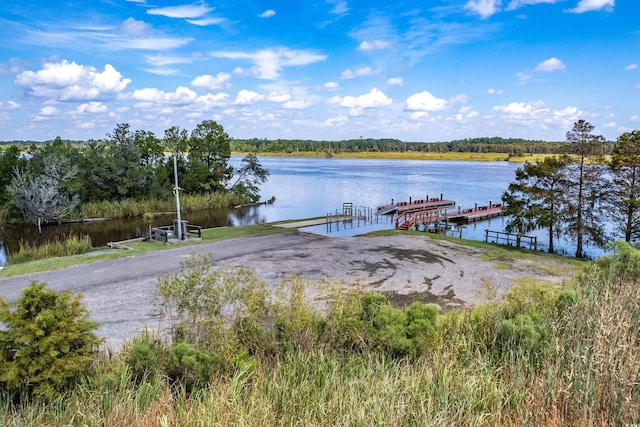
x: 127, y: 174
x: 60, y: 247
x: 243, y: 354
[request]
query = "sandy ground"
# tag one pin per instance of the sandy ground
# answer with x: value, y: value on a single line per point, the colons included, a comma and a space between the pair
x: 118, y: 293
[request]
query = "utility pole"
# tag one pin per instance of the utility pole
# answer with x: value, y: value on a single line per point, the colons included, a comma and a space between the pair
x: 176, y: 192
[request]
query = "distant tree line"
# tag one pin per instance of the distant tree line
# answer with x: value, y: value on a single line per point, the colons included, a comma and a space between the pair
x: 48, y: 181
x: 577, y: 193
x: 513, y: 146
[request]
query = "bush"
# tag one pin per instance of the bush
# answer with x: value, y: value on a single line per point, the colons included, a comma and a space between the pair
x: 48, y: 341
x: 366, y: 321
x: 145, y: 357
x: 191, y: 367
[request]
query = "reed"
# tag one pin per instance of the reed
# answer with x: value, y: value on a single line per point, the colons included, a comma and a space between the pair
x: 587, y: 372
x: 130, y: 208
x: 69, y: 245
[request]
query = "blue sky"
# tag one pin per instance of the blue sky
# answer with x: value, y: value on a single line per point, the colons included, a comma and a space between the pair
x: 435, y: 70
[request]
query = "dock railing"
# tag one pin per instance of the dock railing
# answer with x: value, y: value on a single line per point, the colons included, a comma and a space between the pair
x: 517, y: 240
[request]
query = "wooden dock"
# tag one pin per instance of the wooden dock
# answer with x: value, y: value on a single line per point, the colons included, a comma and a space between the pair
x: 409, y: 219
x: 427, y: 203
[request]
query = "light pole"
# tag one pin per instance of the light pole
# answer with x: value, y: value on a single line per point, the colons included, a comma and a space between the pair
x: 176, y: 192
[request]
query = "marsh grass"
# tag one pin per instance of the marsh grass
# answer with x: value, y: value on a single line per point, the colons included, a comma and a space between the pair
x: 130, y: 208
x: 61, y: 247
x: 583, y: 368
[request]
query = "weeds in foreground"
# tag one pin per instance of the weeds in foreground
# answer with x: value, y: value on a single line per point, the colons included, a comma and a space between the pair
x: 65, y: 246
x: 539, y: 356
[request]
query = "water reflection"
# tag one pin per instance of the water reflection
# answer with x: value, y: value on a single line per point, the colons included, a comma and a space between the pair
x: 312, y: 187
x: 121, y: 229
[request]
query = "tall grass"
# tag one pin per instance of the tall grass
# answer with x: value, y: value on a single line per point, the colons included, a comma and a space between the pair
x: 130, y: 208
x: 583, y: 370
x: 65, y: 246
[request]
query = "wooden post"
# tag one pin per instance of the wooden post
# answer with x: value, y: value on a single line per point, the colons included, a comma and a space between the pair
x: 486, y: 235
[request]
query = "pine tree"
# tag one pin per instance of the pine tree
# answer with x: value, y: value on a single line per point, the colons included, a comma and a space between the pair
x: 45, y: 343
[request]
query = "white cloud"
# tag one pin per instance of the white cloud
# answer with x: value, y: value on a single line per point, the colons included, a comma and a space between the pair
x: 68, y: 81
x: 186, y: 11
x: 340, y: 7
x: 536, y: 114
x: 267, y: 13
x: 162, y: 60
x: 48, y: 111
x: 278, y: 97
x: 269, y: 62
x: 375, y: 98
x: 515, y: 4
x: 297, y: 105
x: 425, y: 101
x: 374, y: 45
x: 592, y: 5
x: 91, y: 108
x: 207, y: 81
x: 132, y: 27
x: 149, y: 43
x: 395, y: 81
x: 205, y: 22
x: 181, y: 96
x: 358, y: 72
x: 635, y: 118
x: 484, y: 8
x: 9, y: 105
x: 336, y: 121
x: 162, y: 71
x: 331, y: 85
x: 610, y: 125
x: 246, y: 97
x: 631, y: 67
x: 492, y: 91
x: 549, y: 65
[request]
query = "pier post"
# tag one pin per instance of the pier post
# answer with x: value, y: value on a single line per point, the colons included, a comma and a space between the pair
x: 486, y: 235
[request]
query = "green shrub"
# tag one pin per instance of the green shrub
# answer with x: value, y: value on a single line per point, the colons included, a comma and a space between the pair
x: 47, y: 342
x: 145, y: 357
x: 519, y: 336
x: 366, y: 321
x: 190, y: 367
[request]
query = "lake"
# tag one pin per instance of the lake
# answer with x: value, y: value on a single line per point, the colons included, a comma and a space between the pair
x: 311, y: 187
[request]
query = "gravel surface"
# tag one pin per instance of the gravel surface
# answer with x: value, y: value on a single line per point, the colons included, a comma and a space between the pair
x: 118, y: 292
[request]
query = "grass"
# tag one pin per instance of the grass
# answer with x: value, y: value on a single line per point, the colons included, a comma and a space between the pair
x: 137, y: 248
x: 583, y: 369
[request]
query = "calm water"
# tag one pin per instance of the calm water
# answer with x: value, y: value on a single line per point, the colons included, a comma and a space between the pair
x: 310, y: 187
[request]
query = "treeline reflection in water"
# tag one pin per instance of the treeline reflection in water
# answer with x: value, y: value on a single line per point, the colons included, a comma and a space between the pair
x: 102, y: 232
x: 313, y: 187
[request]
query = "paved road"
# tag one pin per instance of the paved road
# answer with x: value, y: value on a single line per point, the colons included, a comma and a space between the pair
x: 118, y: 292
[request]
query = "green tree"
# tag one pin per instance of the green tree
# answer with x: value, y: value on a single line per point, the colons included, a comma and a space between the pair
x: 583, y: 191
x: 248, y: 178
x: 534, y: 200
x: 45, y: 343
x: 211, y: 145
x: 623, y: 201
